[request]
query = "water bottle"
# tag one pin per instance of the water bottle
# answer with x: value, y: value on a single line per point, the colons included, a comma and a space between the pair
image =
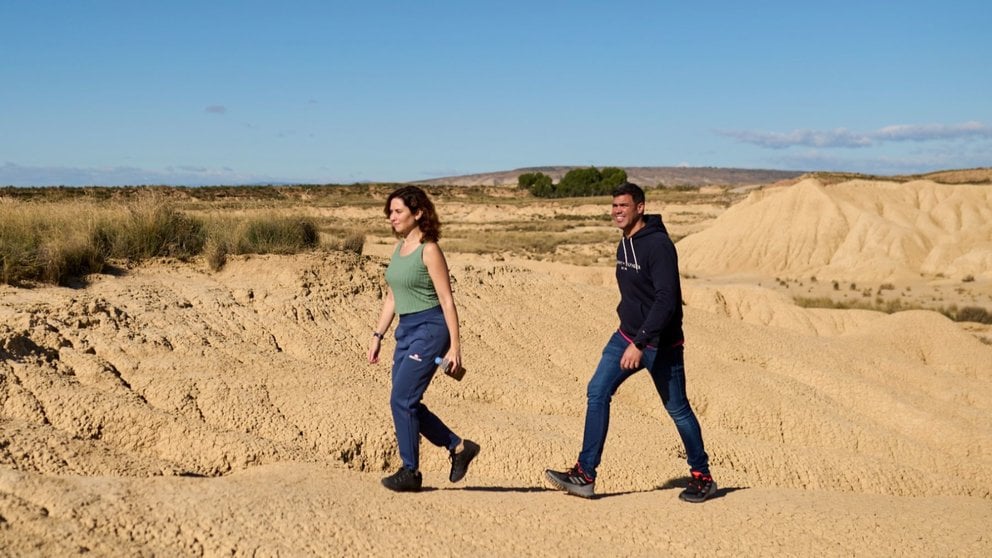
x: 444, y: 365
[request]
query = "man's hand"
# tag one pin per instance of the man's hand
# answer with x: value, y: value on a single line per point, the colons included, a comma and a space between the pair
x: 631, y: 357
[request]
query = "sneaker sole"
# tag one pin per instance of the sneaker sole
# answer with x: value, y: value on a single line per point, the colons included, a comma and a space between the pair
x: 402, y: 489
x: 586, y: 491
x: 699, y: 499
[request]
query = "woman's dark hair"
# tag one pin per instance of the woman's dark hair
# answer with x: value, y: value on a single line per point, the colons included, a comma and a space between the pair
x: 416, y: 200
x: 630, y: 189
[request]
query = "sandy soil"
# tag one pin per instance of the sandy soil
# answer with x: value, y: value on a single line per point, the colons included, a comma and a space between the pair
x: 175, y: 411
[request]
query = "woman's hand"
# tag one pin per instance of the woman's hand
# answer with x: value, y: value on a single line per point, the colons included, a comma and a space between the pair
x: 374, y: 347
x: 454, y: 357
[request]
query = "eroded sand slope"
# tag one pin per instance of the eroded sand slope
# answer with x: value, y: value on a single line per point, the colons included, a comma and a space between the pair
x: 179, y: 411
x: 856, y: 229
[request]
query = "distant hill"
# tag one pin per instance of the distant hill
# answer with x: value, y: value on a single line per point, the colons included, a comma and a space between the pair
x: 648, y: 177
x: 980, y: 175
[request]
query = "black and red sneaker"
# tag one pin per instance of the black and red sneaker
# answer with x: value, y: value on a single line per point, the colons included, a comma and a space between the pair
x: 574, y: 481
x: 701, y: 486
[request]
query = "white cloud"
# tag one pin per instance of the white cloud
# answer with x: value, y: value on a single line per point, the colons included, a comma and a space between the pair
x: 921, y: 161
x: 844, y: 138
x: 12, y: 174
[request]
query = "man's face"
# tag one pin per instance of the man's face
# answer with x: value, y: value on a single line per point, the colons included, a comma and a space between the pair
x: 625, y: 212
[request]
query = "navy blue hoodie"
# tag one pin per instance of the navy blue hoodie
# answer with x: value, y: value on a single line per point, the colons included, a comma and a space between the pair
x: 650, y: 306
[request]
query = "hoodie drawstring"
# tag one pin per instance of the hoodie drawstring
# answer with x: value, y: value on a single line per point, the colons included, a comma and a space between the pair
x: 632, y: 252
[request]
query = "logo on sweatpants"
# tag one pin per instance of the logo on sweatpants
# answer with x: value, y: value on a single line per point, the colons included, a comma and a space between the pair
x: 416, y: 357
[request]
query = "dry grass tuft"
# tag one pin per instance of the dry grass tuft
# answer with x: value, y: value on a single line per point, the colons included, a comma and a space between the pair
x: 41, y: 242
x: 56, y: 241
x: 149, y: 227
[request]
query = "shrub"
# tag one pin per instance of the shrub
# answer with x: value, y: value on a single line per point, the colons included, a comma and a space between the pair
x: 354, y: 242
x: 61, y: 260
x: 966, y: 314
x: 150, y: 228
x: 279, y: 236
x: 973, y: 314
x: 56, y: 241
x: 43, y: 243
x: 216, y: 253
x: 17, y: 256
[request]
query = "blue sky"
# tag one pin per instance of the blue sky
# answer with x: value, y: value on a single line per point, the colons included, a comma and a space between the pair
x: 214, y: 92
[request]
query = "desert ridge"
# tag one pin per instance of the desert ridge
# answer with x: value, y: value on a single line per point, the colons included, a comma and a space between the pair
x: 858, y: 229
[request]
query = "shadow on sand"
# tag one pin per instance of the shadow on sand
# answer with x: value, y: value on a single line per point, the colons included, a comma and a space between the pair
x: 522, y: 489
x: 671, y: 484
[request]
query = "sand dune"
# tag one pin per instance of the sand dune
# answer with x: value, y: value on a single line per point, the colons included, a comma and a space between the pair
x: 178, y: 411
x: 856, y: 229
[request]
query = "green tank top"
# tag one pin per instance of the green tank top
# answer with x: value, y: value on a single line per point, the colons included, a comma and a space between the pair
x: 413, y: 290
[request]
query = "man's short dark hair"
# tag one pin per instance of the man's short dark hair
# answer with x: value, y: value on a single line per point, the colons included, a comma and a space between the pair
x: 630, y: 189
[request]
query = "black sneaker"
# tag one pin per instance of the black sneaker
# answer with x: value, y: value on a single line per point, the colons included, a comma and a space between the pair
x: 403, y: 480
x: 460, y: 460
x: 701, y: 486
x: 574, y: 481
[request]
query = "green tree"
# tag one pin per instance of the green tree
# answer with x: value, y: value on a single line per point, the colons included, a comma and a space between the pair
x: 587, y: 181
x: 580, y: 182
x: 538, y: 183
x: 612, y: 177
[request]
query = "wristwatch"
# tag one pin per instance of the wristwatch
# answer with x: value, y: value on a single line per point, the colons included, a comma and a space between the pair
x: 640, y: 345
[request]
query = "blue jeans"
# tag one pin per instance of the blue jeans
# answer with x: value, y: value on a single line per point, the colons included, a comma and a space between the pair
x: 667, y: 368
x: 420, y: 337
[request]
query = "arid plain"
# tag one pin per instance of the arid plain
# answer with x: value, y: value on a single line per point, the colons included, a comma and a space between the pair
x: 172, y: 410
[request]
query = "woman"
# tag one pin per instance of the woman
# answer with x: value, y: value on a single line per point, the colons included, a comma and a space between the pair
x: 419, y: 291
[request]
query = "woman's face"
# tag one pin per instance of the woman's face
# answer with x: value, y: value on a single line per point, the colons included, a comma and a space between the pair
x: 401, y: 218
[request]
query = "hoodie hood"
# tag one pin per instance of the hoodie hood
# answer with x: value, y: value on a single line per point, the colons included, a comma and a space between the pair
x: 653, y: 225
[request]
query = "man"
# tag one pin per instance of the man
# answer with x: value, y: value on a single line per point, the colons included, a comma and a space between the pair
x: 650, y: 336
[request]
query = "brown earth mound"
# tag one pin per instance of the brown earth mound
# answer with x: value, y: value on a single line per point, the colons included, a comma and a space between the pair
x: 176, y: 411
